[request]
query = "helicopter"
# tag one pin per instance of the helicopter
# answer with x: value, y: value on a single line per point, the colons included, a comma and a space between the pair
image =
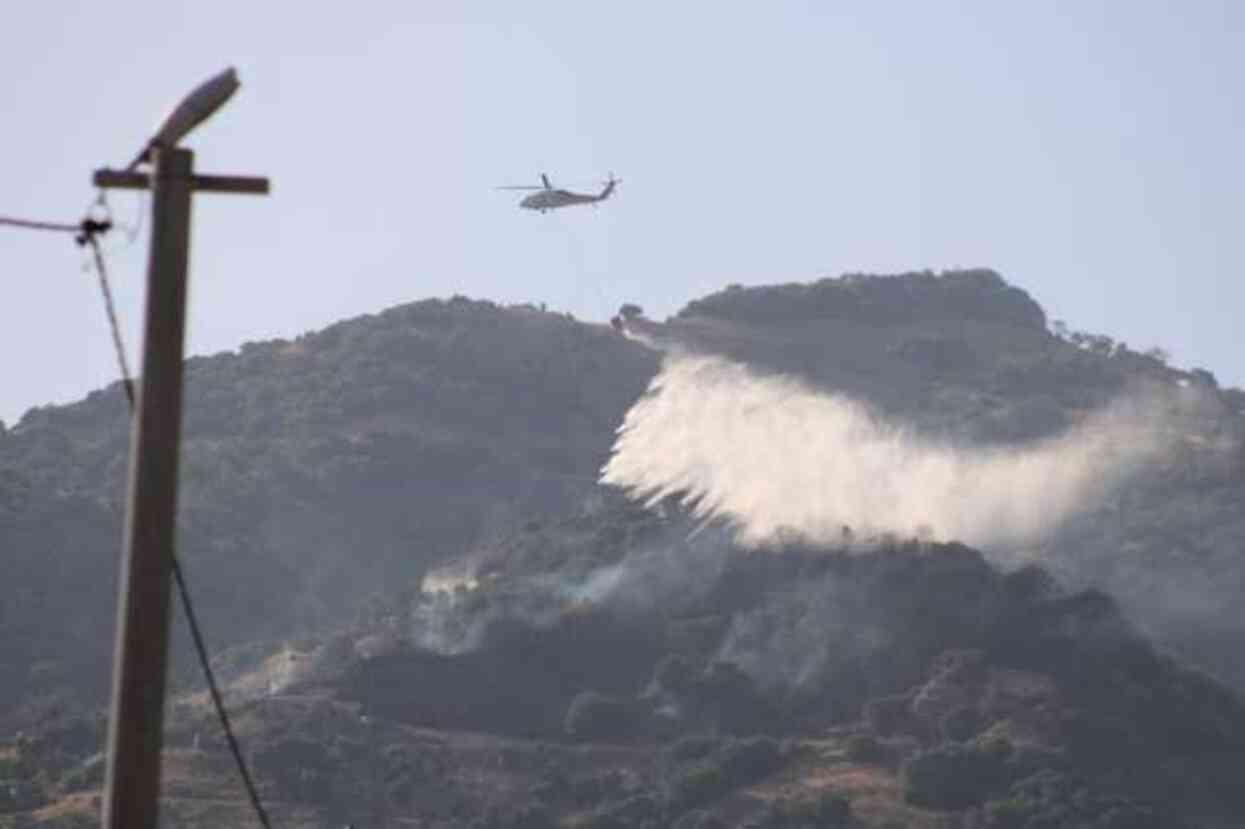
x: 548, y: 197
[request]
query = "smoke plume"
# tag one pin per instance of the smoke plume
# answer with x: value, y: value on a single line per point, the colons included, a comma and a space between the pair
x: 672, y: 571
x: 778, y: 460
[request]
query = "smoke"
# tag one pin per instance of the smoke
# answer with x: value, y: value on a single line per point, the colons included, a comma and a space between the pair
x: 673, y: 571
x: 803, y: 633
x: 778, y: 460
x: 454, y: 623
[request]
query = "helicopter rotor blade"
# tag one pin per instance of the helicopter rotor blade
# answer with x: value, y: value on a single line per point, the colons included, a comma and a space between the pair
x: 519, y: 187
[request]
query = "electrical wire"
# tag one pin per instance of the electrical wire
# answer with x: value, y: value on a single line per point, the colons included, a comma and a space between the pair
x: 222, y: 713
x: 33, y: 225
x: 93, y: 240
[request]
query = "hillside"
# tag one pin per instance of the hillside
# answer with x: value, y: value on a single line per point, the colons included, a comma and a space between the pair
x: 976, y: 365
x: 418, y: 590
x: 316, y: 473
x: 609, y: 670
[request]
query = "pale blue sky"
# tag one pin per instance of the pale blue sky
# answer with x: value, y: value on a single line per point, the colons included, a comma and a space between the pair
x: 1089, y: 151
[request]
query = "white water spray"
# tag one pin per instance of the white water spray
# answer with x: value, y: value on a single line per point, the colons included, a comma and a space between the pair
x: 778, y: 459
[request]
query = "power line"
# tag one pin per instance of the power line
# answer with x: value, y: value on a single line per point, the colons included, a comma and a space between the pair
x: 29, y: 224
x: 93, y: 240
x: 222, y: 713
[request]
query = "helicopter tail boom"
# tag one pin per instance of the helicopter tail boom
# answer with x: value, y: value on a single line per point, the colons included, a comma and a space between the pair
x: 609, y: 188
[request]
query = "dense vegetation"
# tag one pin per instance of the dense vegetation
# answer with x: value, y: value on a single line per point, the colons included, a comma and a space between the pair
x: 625, y: 671
x: 1003, y: 692
x: 965, y: 357
x: 315, y: 473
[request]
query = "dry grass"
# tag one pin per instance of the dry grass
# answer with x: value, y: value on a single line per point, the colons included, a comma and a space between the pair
x: 79, y: 805
x: 876, y: 793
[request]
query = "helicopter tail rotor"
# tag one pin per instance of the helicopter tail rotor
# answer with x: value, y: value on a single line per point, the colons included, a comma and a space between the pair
x: 610, y: 183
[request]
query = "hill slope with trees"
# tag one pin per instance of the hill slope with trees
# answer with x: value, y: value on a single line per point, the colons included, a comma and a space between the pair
x: 426, y: 608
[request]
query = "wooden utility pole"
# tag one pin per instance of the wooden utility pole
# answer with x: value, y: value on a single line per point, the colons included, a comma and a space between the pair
x: 141, y: 655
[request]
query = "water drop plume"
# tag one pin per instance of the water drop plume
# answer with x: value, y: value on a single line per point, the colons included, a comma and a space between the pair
x: 777, y: 459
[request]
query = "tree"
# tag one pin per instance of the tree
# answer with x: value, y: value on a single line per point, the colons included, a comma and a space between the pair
x: 951, y: 777
x: 1159, y: 354
x: 593, y: 716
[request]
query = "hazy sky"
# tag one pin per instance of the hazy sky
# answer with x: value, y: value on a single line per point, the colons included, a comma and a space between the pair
x: 1089, y: 151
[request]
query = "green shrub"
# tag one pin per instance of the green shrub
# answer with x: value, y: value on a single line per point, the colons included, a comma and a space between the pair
x: 699, y: 785
x: 951, y: 777
x: 699, y: 820
x: 593, y: 716
x: 674, y: 675
x: 1011, y: 813
x: 864, y: 748
x: 735, y: 763
x: 960, y: 725
x: 526, y: 816
x: 75, y: 780
x: 888, y: 716
x: 732, y: 702
x: 632, y: 811
x: 833, y: 810
x: 746, y: 761
x: 695, y: 747
x: 1028, y: 760
x: 825, y: 810
x: 1050, y: 799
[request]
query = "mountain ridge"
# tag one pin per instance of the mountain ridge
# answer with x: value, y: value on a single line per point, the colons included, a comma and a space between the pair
x: 325, y: 478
